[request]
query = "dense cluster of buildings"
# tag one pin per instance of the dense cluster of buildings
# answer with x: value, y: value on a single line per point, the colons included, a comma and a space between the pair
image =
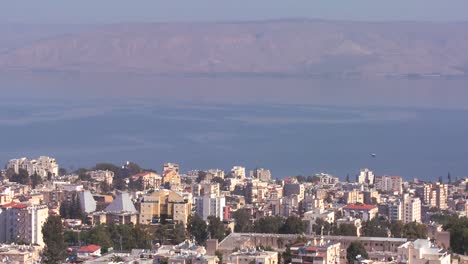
x: 171, y: 197
x: 43, y: 166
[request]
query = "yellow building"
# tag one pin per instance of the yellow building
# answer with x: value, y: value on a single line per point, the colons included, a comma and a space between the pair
x: 171, y: 177
x: 165, y: 203
x: 149, y: 179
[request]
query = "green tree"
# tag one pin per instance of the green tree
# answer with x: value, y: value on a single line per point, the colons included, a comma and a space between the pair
x: 201, y: 176
x: 22, y: 177
x: 161, y: 234
x: 54, y: 250
x: 99, y: 235
x: 293, y: 225
x: 71, y: 238
x: 355, y: 249
x: 377, y: 227
x: 133, y: 168
x: 76, y: 212
x: 107, y: 166
x: 105, y: 188
x: 218, y: 180
x: 219, y: 255
x: 65, y: 208
x: 198, y: 229
x: 242, y: 219
x: 397, y: 228
x: 269, y: 224
x: 322, y: 225
x: 345, y: 230
x: 458, y: 228
x: 62, y: 171
x: 216, y: 228
x: 414, y: 230
x: 142, y: 237
x: 179, y: 234
x: 35, y: 180
x: 287, y: 256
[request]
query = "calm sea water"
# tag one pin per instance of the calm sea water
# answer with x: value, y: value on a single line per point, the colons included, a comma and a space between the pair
x: 288, y: 139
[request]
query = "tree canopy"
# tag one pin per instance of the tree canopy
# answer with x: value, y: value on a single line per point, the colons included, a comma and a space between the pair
x: 269, y: 224
x: 198, y: 229
x: 355, y: 249
x: 458, y: 228
x: 293, y: 225
x: 54, y: 250
x: 242, y: 218
x: 216, y: 228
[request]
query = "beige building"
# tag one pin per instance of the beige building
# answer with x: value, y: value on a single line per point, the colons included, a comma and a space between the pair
x: 441, y: 195
x: 171, y: 177
x: 165, y: 203
x: 411, y: 209
x: 353, y: 197
x: 43, y: 166
x: 238, y: 172
x: 435, y: 195
x: 22, y: 222
x: 310, y: 203
x: 102, y: 176
x: 251, y: 255
x: 261, y: 174
x: 365, y: 176
x: 149, y: 179
x: 19, y: 254
x: 389, y: 183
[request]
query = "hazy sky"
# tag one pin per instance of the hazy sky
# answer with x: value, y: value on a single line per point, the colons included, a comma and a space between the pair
x: 109, y: 11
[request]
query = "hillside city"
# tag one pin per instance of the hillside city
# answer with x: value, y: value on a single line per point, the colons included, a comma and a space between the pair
x: 128, y: 214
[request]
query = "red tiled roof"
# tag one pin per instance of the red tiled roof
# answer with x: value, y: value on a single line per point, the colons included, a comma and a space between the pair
x: 314, y: 249
x: 15, y: 205
x: 359, y: 207
x: 299, y: 244
x: 139, y: 175
x: 89, y: 249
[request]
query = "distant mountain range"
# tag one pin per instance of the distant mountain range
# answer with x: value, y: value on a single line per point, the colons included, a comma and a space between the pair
x: 278, y: 47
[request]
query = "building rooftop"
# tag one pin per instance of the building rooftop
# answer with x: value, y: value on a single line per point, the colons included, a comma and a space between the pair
x: 121, y: 203
x: 359, y: 207
x: 89, y: 249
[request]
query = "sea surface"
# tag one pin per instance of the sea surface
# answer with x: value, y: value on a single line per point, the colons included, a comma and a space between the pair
x: 288, y: 139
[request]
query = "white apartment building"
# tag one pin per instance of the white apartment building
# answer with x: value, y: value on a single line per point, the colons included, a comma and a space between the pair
x: 22, y: 222
x: 327, y: 179
x: 238, y: 172
x: 217, y: 173
x: 102, y: 176
x: 311, y: 217
x: 395, y: 211
x: 210, y: 205
x: 311, y: 202
x: 411, y: 209
x: 422, y: 251
x: 261, y: 174
x: 365, y: 176
x: 171, y: 167
x: 42, y: 166
x: 389, y: 183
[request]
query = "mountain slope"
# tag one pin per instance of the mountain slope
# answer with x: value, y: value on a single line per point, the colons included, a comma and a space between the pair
x: 290, y: 47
